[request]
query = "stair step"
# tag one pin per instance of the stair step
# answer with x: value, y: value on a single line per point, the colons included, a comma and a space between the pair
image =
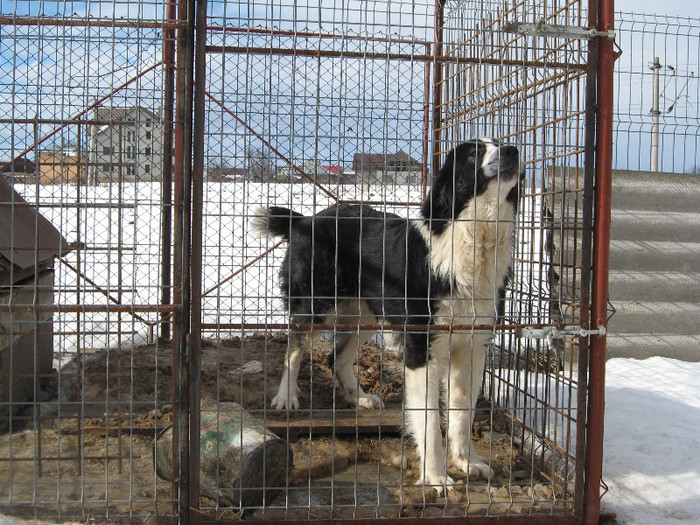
x: 649, y: 191
x: 639, y: 317
x: 654, y: 286
x: 645, y: 225
x: 643, y: 345
x: 655, y: 255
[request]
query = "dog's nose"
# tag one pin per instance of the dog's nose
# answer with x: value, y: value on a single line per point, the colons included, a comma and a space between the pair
x: 509, y: 152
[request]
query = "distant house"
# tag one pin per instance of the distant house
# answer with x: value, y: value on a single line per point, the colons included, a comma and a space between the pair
x: 125, y: 144
x: 382, y: 168
x: 60, y: 165
x: 224, y: 174
x: 20, y: 171
x: 313, y: 171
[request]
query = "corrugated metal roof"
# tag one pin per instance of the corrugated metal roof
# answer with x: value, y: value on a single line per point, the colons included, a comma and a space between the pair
x: 24, y: 231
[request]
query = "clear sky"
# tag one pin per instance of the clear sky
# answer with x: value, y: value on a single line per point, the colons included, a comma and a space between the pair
x: 690, y: 8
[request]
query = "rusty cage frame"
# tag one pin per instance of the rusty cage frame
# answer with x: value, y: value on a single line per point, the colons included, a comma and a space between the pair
x: 515, y: 61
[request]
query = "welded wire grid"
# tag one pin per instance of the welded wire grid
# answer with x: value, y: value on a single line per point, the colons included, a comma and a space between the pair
x: 81, y: 98
x: 299, y: 97
x: 674, y: 42
x: 309, y: 105
x: 530, y: 91
x: 306, y: 105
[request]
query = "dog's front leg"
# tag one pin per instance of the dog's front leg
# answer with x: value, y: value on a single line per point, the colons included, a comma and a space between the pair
x: 288, y: 393
x: 422, y: 394
x: 465, y: 372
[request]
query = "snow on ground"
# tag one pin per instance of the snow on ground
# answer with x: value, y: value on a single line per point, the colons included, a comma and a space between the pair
x: 651, y: 459
x: 652, y: 436
x: 119, y: 227
x: 652, y: 441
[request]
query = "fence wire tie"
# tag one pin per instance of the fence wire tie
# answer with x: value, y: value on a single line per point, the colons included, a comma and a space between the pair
x: 555, y: 31
x: 552, y: 332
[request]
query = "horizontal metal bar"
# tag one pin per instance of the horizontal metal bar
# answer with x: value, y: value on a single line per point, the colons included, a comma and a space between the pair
x: 350, y: 327
x: 551, y: 518
x: 317, y: 53
x: 66, y: 458
x: 310, y: 34
x: 84, y: 205
x: 381, y: 203
x: 87, y: 22
x: 90, y: 308
x: 92, y: 122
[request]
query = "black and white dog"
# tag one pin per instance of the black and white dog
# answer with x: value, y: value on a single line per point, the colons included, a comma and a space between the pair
x: 352, y: 264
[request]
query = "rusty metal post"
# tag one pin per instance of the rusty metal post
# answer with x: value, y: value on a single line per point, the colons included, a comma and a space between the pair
x: 196, y: 255
x: 437, y: 83
x: 426, y: 129
x: 181, y: 267
x: 167, y: 182
x: 586, y: 257
x: 601, y: 257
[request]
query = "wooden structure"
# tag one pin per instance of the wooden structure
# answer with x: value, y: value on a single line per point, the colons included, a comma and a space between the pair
x: 28, y: 245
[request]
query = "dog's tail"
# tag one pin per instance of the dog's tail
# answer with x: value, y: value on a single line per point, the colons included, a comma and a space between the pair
x: 274, y: 221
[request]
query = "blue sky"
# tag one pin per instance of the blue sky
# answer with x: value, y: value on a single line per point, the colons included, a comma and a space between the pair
x: 688, y: 8
x: 328, y: 109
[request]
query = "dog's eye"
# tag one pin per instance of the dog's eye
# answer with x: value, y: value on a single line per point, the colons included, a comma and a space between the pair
x: 472, y: 156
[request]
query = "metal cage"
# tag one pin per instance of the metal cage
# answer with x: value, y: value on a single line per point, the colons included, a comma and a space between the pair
x: 144, y: 329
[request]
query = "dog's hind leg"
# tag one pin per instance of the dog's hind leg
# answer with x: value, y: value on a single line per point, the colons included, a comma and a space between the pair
x: 288, y: 393
x: 346, y: 349
x: 465, y: 372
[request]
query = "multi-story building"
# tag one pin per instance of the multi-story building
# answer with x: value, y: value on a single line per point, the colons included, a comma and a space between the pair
x: 125, y: 144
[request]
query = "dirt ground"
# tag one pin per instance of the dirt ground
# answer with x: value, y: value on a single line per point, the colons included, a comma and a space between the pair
x: 99, y: 418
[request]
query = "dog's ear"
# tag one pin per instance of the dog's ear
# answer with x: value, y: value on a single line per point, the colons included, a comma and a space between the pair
x: 514, y: 194
x: 451, y: 189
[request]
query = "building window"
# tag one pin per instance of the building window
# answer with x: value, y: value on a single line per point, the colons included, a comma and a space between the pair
x: 130, y: 136
x: 130, y: 170
x: 107, y: 150
x: 148, y: 123
x: 148, y: 134
x: 130, y: 152
x: 148, y: 151
x: 147, y: 168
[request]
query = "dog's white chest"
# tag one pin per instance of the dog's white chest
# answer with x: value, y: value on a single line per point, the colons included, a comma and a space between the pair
x: 475, y: 251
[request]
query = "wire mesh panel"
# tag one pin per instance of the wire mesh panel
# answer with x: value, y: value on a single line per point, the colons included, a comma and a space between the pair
x: 320, y: 191
x: 663, y: 50
x: 511, y: 79
x: 360, y: 229
x: 82, y: 160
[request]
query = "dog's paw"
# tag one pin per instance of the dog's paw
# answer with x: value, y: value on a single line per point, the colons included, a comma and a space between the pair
x: 285, y: 399
x: 369, y: 401
x: 437, y: 482
x: 475, y: 466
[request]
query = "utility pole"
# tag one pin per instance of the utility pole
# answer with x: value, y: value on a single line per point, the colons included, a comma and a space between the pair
x: 655, y: 67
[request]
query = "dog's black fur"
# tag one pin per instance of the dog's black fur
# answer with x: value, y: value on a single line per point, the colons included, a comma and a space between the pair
x: 355, y: 251
x: 356, y: 264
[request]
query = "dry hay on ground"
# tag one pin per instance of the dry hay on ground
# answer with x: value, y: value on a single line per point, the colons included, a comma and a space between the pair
x: 106, y: 441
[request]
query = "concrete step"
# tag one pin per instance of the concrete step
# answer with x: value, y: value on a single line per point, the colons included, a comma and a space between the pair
x: 654, y: 286
x: 655, y: 191
x: 643, y: 345
x: 655, y: 255
x: 645, y: 225
x: 640, y: 317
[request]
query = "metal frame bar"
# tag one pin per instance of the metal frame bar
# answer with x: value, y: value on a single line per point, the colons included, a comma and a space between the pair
x: 184, y: 74
x: 601, y: 260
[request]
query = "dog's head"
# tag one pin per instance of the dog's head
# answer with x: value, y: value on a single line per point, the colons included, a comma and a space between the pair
x: 479, y: 167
